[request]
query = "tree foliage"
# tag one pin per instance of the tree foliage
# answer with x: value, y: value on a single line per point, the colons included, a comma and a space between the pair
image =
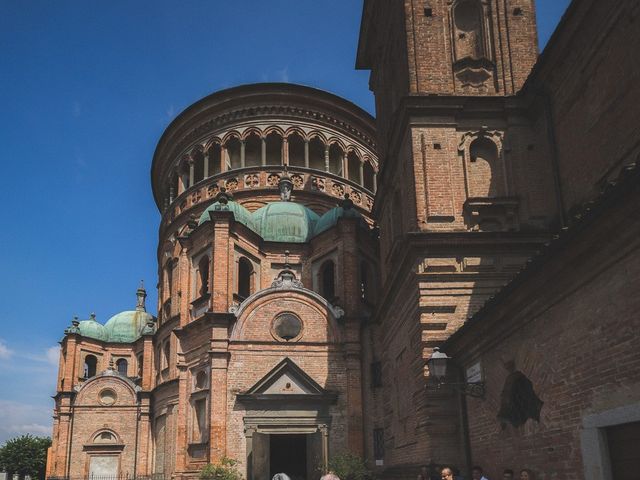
x: 25, y: 455
x: 226, y: 469
x: 349, y: 467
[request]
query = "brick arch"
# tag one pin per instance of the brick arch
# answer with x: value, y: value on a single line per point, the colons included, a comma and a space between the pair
x: 210, y: 142
x: 195, y: 149
x: 252, y: 131
x: 291, y: 130
x: 230, y: 135
x: 274, y: 129
x: 317, y: 133
x: 256, y: 313
x: 353, y: 149
x: 89, y: 391
x: 339, y: 141
x: 92, y: 438
x: 367, y: 159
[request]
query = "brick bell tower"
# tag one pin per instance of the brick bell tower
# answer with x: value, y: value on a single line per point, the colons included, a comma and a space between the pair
x: 465, y: 195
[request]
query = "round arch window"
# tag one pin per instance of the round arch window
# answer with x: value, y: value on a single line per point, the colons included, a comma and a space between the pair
x: 108, y: 397
x: 287, y: 327
x: 105, y: 437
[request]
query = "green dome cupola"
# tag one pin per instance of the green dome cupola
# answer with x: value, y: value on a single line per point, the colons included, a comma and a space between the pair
x: 92, y: 329
x: 125, y: 327
x: 330, y: 218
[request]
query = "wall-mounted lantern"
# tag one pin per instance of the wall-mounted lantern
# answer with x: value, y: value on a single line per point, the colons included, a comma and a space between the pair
x: 438, y: 364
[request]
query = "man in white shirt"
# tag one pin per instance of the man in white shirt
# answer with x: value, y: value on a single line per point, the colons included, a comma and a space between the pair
x: 476, y: 473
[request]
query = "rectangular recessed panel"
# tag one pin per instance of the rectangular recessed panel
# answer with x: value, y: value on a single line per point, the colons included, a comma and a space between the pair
x: 435, y: 326
x: 439, y: 309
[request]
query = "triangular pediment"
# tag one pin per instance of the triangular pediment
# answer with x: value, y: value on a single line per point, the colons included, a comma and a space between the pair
x: 286, y: 380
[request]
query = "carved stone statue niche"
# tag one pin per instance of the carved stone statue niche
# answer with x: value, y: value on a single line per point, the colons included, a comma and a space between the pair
x: 472, y: 59
x: 467, y: 19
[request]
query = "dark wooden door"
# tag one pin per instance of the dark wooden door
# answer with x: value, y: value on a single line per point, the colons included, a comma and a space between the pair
x: 624, y: 451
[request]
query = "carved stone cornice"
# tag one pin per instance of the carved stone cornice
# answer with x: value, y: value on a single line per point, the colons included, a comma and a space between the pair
x: 218, y: 122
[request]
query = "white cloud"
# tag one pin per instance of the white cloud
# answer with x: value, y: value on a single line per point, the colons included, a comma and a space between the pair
x: 171, y: 112
x: 52, y: 354
x: 283, y: 75
x: 21, y: 418
x: 5, y: 352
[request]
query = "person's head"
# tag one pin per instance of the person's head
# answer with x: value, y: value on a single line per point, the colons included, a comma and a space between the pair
x: 447, y: 473
x: 280, y: 476
x: 476, y: 472
x: 330, y: 476
x: 526, y: 474
x: 507, y: 474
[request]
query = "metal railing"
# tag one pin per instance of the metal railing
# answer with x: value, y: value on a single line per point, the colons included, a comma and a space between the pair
x: 126, y: 476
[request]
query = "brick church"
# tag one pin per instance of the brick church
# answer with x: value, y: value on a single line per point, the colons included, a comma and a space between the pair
x: 318, y: 268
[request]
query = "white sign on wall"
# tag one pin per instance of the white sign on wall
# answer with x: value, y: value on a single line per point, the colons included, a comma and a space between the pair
x: 103, y: 466
x: 474, y: 373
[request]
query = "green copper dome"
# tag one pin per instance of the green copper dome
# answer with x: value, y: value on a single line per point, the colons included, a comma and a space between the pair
x: 285, y: 222
x: 92, y: 329
x: 330, y: 218
x: 240, y: 213
x: 126, y: 327
x: 275, y: 222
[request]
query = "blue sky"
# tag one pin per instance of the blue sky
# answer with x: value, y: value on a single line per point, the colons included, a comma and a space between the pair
x: 86, y: 89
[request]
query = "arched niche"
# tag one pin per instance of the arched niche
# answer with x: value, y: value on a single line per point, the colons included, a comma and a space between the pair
x: 473, y: 63
x: 257, y: 314
x: 484, y: 166
x: 468, y: 31
x: 106, y: 386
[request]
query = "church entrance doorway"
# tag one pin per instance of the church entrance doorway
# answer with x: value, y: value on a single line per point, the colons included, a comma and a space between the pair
x: 288, y: 454
x: 299, y: 451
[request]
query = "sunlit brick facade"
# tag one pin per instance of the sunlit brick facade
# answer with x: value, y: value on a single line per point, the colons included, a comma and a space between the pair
x: 310, y: 258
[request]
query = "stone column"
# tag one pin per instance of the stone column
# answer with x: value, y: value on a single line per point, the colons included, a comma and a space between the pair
x: 326, y: 158
x: 192, y: 169
x: 242, y: 146
x: 324, y: 431
x: 181, y: 182
x: 206, y: 165
x: 361, y: 173
x: 263, y: 151
x: 345, y: 167
x: 224, y: 159
x: 306, y: 153
x: 285, y: 151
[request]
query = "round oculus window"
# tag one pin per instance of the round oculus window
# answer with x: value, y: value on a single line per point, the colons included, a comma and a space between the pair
x: 287, y: 327
x: 107, y: 397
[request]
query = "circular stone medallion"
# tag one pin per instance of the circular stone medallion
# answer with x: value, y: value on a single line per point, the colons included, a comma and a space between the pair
x: 287, y: 327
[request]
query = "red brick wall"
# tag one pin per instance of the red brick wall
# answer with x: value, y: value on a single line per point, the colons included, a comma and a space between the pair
x: 571, y: 328
x: 590, y: 72
x: 90, y: 416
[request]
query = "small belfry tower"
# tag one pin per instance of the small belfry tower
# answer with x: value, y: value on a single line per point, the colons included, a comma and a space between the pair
x: 445, y: 47
x: 464, y: 191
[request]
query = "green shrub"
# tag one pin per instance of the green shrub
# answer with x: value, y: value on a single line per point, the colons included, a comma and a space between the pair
x: 25, y: 455
x: 349, y: 467
x: 225, y: 469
